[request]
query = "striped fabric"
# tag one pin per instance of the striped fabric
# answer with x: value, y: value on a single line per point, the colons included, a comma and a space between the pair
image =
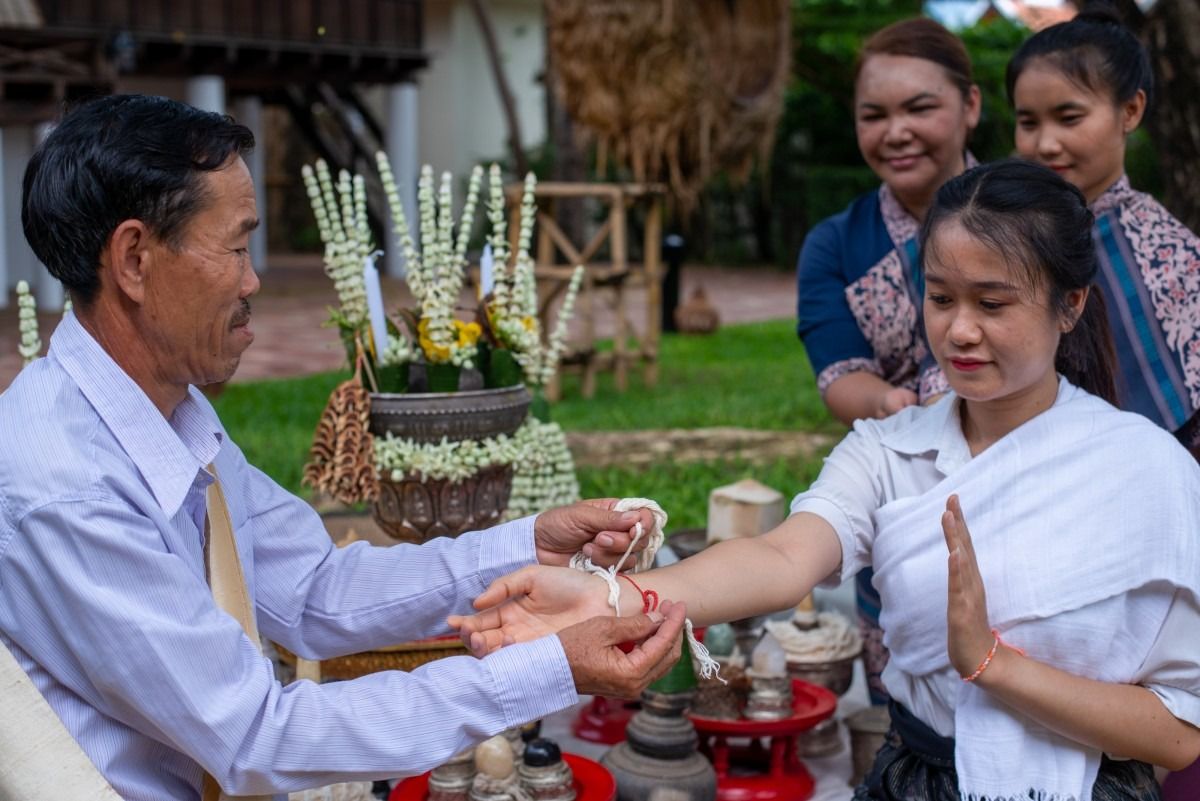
x: 104, y: 603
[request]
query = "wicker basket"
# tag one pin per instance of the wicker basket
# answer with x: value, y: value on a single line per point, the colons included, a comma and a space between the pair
x: 407, y: 656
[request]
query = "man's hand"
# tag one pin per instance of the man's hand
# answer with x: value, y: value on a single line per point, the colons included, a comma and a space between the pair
x: 590, y: 526
x: 530, y: 603
x: 601, y: 668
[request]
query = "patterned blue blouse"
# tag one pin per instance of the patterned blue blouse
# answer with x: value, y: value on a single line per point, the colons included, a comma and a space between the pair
x: 859, y: 293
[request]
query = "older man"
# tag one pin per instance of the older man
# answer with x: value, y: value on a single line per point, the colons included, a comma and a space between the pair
x: 143, y: 208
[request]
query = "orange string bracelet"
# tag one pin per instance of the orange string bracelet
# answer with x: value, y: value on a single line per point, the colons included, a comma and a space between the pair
x: 649, y: 597
x: 991, y: 654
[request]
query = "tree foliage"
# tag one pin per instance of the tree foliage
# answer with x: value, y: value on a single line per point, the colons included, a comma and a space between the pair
x: 816, y: 169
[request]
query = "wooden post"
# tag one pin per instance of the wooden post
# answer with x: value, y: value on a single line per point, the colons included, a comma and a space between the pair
x: 652, y: 265
x: 620, y: 267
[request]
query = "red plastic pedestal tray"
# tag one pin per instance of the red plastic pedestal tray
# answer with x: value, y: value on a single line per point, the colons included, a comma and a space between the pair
x: 593, y: 782
x: 604, y: 720
x: 765, y: 773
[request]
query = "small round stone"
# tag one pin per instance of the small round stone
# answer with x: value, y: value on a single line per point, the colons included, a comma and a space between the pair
x: 719, y: 639
x: 542, y: 753
x: 494, y: 758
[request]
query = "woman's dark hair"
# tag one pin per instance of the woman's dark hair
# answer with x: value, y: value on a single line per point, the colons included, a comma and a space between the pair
x: 1041, y: 225
x: 921, y: 37
x: 1094, y: 50
x: 118, y: 158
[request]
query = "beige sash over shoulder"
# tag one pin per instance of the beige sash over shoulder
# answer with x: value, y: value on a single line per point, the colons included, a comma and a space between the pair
x: 228, y: 584
x: 41, y: 758
x: 42, y: 761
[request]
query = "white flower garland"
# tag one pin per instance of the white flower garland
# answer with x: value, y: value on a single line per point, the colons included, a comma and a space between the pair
x: 544, y: 474
x: 342, y: 222
x: 514, y: 307
x: 31, y: 342
x: 543, y: 470
x: 435, y: 272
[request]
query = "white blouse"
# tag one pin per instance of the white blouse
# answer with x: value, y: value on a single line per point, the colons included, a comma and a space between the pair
x: 909, y: 453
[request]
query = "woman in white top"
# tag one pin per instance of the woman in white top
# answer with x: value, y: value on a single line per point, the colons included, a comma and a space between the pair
x: 1084, y: 523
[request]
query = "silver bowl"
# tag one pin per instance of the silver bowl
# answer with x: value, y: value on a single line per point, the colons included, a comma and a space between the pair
x: 430, y: 416
x: 835, y: 675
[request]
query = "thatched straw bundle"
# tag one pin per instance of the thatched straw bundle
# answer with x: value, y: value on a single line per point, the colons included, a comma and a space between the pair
x: 673, y: 89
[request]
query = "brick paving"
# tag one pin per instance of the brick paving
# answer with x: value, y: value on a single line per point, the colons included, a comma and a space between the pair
x: 293, y: 303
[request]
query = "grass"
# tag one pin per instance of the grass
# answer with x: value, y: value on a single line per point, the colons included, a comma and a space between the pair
x: 751, y: 376
x: 682, y: 489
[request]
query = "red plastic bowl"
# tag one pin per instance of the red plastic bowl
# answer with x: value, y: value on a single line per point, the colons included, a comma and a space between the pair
x: 593, y: 782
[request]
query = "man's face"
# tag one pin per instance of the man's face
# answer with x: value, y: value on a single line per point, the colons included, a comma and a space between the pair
x: 196, y: 308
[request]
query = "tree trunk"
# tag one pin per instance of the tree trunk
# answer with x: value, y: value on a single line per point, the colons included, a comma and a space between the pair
x: 1171, y: 32
x: 568, y: 160
x: 507, y: 103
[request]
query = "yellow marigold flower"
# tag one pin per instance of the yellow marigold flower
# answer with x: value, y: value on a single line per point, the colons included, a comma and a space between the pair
x: 434, y: 353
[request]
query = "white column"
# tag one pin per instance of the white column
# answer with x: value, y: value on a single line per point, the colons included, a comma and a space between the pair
x: 7, y: 282
x: 206, y: 92
x: 248, y: 111
x: 49, y: 289
x: 401, y: 147
x: 15, y: 150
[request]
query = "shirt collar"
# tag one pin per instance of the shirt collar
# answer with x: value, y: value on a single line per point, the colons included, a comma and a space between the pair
x: 1112, y: 197
x: 167, y: 453
x: 937, y: 428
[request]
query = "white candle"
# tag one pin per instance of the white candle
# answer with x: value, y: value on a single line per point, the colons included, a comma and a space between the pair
x: 375, y: 303
x: 486, y: 277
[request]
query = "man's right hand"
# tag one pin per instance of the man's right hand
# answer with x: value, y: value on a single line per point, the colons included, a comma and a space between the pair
x: 600, y: 667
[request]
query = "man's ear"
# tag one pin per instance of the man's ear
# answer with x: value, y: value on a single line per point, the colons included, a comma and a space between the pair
x: 127, y: 257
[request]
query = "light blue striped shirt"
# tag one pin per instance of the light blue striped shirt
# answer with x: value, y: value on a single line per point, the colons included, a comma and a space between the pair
x: 103, y: 601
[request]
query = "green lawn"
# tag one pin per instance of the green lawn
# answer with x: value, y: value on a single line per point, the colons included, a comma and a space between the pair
x: 753, y: 376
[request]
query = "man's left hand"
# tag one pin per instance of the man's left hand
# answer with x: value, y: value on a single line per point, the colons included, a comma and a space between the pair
x: 592, y: 527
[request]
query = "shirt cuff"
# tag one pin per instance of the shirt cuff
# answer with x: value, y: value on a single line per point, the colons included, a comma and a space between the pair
x: 1182, y: 704
x: 505, y: 548
x: 832, y: 514
x: 523, y: 697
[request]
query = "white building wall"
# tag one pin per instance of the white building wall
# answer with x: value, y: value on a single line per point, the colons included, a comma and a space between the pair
x: 461, y: 119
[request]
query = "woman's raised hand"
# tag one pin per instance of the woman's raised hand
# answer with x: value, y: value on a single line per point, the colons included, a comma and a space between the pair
x: 969, y: 637
x: 530, y: 603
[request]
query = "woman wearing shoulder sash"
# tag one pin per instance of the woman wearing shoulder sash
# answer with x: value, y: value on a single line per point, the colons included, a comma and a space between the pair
x: 915, y: 105
x: 1049, y: 651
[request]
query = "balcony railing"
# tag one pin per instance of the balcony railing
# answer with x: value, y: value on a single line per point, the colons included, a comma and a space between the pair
x: 337, y: 24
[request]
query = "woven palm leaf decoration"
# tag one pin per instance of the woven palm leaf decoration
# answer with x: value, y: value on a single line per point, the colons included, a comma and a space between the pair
x: 342, y: 459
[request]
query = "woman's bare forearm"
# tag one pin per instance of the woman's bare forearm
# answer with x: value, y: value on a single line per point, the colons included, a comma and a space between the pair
x: 1124, y: 720
x: 743, y: 577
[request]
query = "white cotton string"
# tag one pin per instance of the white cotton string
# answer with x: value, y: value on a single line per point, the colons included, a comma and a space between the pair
x: 707, y: 666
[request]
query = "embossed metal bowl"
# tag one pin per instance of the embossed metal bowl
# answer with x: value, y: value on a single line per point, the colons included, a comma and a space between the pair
x: 835, y: 675
x: 430, y: 416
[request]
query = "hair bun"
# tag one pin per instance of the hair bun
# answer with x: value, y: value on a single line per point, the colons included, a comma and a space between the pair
x: 1103, y: 12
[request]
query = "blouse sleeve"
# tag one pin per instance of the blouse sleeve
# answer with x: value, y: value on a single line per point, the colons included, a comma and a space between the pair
x: 846, y: 494
x: 828, y: 329
x: 1171, y: 670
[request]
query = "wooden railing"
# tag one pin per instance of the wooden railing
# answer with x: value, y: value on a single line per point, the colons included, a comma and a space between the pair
x: 367, y: 24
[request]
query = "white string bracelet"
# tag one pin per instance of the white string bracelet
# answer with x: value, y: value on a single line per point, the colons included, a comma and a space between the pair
x: 706, y: 665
